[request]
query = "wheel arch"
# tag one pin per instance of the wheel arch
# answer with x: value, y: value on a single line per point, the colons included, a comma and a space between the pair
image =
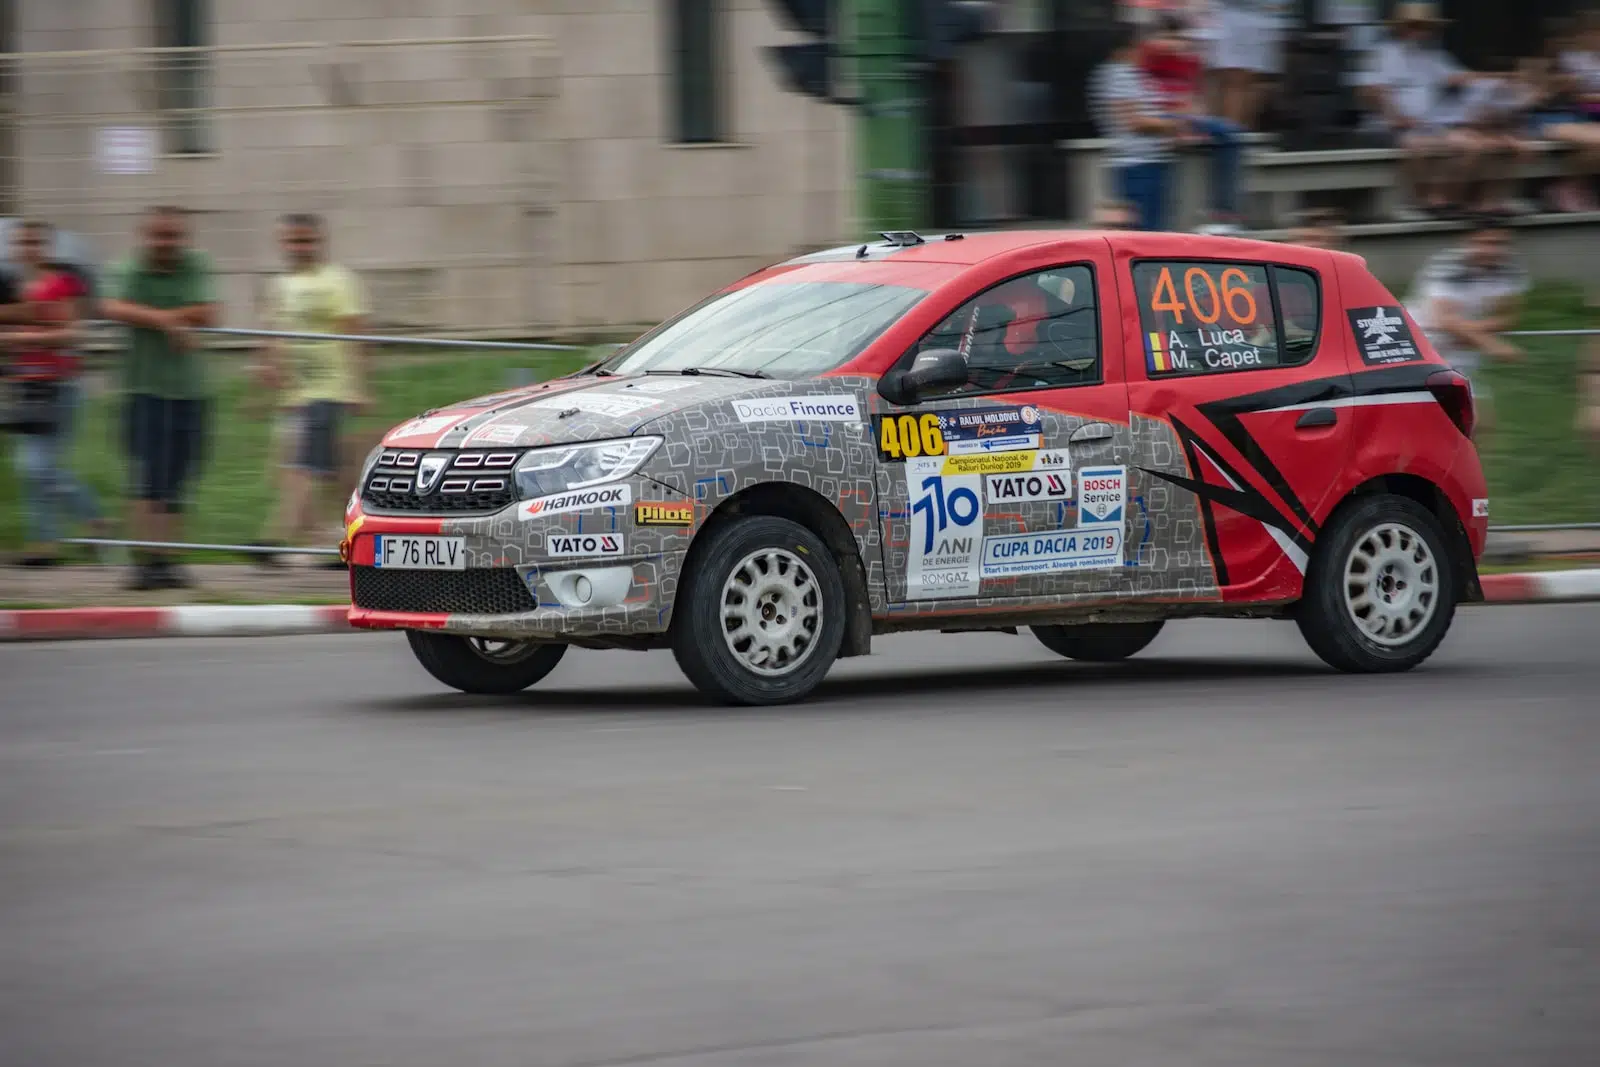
x: 810, y: 509
x: 1428, y: 494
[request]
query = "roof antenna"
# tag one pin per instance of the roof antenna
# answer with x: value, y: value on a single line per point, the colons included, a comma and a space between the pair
x: 861, y: 253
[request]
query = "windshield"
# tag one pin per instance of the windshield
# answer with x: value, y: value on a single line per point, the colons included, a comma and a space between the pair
x: 780, y: 329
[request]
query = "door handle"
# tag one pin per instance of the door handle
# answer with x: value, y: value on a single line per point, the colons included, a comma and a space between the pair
x: 1316, y: 418
x: 1092, y: 431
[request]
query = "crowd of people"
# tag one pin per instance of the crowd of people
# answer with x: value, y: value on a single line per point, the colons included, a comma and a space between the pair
x: 160, y: 296
x: 1194, y: 75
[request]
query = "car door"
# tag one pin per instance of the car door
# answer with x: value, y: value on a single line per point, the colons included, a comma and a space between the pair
x: 1228, y: 381
x: 1012, y: 487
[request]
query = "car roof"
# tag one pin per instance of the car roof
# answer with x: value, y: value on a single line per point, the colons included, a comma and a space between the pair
x: 970, y: 249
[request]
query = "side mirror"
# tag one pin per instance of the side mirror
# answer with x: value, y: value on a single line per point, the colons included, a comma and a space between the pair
x: 934, y: 371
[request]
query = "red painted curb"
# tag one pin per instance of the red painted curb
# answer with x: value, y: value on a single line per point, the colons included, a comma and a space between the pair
x: 186, y: 620
x: 1510, y: 588
x: 216, y: 620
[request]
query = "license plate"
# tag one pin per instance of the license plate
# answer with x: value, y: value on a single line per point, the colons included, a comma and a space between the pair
x: 419, y: 553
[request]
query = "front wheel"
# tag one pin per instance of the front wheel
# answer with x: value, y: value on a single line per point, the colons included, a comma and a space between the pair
x: 760, y: 615
x: 483, y: 665
x: 1381, y: 590
x: 1098, y: 642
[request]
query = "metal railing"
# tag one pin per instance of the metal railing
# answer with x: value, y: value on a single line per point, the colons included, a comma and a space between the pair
x: 533, y: 346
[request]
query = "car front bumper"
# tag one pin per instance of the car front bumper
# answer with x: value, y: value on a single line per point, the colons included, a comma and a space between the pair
x: 512, y: 585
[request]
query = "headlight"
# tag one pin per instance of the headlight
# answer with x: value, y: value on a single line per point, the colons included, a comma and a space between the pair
x: 554, y: 470
x: 367, y: 465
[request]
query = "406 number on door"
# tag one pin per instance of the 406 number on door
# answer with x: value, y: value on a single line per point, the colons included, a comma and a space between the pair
x: 910, y: 436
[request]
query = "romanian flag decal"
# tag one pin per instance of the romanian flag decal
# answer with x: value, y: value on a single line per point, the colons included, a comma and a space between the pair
x: 1159, y: 359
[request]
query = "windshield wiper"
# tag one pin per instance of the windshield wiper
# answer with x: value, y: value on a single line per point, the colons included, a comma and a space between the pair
x: 728, y: 372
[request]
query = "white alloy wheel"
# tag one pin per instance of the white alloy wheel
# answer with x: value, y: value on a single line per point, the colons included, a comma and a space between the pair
x: 1391, y: 584
x: 771, y: 611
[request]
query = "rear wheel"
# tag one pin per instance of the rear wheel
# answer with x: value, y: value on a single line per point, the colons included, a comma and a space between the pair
x: 1381, y: 590
x: 1098, y: 642
x: 760, y: 616
x: 484, y: 665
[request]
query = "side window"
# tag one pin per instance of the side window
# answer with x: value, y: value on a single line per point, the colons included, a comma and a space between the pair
x: 1219, y: 318
x: 1300, y: 307
x: 1036, y: 331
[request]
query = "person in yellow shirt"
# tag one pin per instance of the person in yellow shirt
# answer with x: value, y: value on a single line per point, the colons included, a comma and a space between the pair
x: 322, y: 383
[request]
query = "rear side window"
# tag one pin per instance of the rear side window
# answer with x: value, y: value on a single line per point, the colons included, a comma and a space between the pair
x: 1223, y: 318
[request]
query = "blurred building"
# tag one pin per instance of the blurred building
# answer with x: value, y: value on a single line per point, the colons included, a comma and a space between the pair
x: 506, y: 165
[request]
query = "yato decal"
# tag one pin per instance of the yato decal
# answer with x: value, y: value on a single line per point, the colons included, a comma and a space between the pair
x: 663, y: 514
x: 1017, y: 488
x: 1102, y: 495
x: 611, y: 405
x: 799, y: 409
x: 1382, y: 336
x: 1057, y: 550
x: 604, y: 496
x: 946, y: 531
x: 584, y: 545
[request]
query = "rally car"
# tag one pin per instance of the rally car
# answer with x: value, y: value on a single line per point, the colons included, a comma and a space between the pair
x: 1080, y: 433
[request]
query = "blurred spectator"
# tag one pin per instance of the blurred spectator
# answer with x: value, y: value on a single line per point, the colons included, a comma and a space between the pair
x: 1175, y: 69
x: 1127, y: 110
x: 45, y: 367
x: 1489, y: 118
x: 161, y: 293
x: 1247, y: 39
x: 322, y: 381
x: 1321, y: 227
x: 1411, y: 99
x: 1113, y: 215
x: 1464, y: 297
x: 1579, y: 59
x: 1589, y: 378
x: 1559, y: 112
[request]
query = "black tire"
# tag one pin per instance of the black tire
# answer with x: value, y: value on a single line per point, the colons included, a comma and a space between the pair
x: 459, y: 663
x: 1098, y: 642
x: 699, y: 632
x: 1327, y: 619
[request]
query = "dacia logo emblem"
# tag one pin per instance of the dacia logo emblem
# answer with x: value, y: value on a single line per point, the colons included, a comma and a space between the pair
x: 428, y: 472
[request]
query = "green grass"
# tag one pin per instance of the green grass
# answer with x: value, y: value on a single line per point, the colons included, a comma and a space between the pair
x: 234, y: 495
x: 1538, y: 469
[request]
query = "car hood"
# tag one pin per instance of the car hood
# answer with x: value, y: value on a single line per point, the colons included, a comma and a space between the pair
x: 568, y: 409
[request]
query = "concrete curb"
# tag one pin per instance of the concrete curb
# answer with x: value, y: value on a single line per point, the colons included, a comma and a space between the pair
x: 188, y: 620
x: 256, y: 620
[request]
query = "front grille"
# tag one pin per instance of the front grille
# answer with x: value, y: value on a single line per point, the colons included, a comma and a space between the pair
x: 470, y: 483
x: 475, y: 591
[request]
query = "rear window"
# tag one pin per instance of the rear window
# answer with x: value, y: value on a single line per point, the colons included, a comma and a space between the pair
x: 1224, y: 318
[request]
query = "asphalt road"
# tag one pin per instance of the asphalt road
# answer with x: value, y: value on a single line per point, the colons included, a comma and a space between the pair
x: 302, y: 851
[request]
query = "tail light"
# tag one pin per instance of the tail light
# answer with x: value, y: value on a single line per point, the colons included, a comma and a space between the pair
x: 1454, y: 394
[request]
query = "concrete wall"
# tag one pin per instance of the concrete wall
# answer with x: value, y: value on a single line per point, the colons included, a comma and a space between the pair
x: 520, y: 184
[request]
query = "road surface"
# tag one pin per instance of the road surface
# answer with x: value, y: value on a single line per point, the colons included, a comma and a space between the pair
x: 303, y: 851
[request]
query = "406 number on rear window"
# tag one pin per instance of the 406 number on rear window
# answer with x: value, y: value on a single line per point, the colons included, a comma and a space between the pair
x: 910, y: 436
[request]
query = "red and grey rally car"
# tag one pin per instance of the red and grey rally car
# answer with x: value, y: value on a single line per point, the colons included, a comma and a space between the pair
x: 1082, y: 433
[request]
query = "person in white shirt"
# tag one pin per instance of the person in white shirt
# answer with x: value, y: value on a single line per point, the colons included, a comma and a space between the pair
x: 1413, y: 96
x: 1465, y: 297
x: 1247, y: 52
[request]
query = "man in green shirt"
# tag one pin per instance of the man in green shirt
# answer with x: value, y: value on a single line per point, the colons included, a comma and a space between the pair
x: 162, y: 293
